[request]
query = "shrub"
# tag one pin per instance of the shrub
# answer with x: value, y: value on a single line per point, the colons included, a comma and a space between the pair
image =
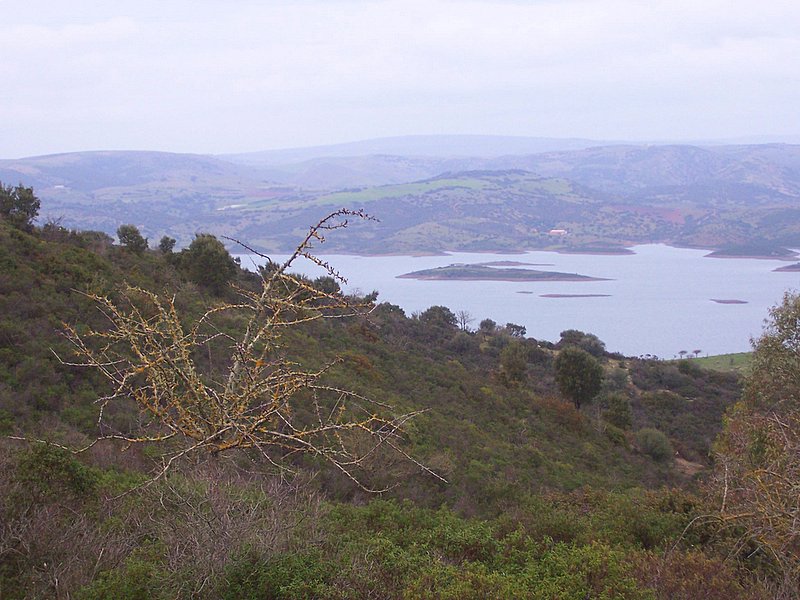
x: 47, y: 471
x: 654, y: 443
x: 295, y: 575
x: 616, y: 435
x: 618, y: 411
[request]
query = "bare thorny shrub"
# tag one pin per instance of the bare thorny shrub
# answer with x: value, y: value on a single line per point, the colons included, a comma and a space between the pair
x: 191, y: 524
x: 757, y: 480
x: 152, y: 358
x: 757, y: 472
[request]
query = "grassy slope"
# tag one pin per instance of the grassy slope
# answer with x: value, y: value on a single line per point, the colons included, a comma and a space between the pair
x: 514, y: 450
x: 518, y: 436
x: 738, y: 362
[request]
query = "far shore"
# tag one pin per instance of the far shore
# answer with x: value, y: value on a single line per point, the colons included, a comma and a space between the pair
x: 751, y: 256
x: 622, y: 251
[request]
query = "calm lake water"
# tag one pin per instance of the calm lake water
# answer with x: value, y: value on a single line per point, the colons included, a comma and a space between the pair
x: 659, y: 299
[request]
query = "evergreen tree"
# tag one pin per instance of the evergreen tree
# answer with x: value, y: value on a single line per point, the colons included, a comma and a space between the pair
x: 19, y: 205
x: 166, y: 245
x: 207, y: 262
x: 578, y: 374
x: 130, y: 237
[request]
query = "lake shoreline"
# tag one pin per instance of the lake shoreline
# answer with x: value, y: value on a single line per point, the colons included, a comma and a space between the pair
x: 628, y: 250
x: 674, y: 284
x: 571, y: 279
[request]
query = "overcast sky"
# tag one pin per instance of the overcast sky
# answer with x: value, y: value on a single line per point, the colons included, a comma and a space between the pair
x: 212, y: 77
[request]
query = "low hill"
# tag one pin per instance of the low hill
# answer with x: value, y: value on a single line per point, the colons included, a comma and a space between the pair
x: 536, y: 488
x: 159, y: 192
x: 609, y: 196
x: 749, y: 175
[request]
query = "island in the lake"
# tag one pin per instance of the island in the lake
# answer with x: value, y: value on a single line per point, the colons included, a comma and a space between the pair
x: 754, y: 250
x: 595, y: 250
x: 574, y: 295
x: 462, y: 272
x: 788, y: 268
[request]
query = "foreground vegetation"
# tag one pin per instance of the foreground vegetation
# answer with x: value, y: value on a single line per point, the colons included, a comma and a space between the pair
x: 547, y: 496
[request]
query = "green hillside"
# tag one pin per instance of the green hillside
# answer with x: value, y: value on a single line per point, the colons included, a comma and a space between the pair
x: 724, y: 197
x: 541, y: 500
x: 738, y: 362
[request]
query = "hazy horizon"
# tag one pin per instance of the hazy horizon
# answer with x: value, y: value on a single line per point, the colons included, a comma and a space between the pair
x: 305, y: 151
x: 214, y: 78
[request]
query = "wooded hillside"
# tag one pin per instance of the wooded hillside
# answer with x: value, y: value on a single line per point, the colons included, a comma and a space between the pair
x: 542, y: 500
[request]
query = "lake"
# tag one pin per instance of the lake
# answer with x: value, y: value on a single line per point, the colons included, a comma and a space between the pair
x: 658, y: 300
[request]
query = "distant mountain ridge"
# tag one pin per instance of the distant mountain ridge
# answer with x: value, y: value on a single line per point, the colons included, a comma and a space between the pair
x: 712, y: 196
x: 101, y: 169
x: 441, y: 146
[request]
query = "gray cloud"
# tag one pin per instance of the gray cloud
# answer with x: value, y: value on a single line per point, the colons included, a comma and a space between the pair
x: 209, y: 76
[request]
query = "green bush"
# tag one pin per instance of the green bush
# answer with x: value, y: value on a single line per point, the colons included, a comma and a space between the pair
x: 654, y: 443
x: 618, y: 411
x: 48, y: 472
x: 286, y: 576
x: 616, y: 435
x: 143, y: 575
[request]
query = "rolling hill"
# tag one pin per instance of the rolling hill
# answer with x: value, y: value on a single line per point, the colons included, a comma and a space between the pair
x: 713, y: 196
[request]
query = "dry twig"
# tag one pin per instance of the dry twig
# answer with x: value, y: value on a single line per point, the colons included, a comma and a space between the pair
x: 149, y: 355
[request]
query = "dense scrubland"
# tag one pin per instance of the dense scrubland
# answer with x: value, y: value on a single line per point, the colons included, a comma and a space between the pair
x: 545, y: 496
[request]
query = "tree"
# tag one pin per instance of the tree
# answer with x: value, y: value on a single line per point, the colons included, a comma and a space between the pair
x: 464, y: 319
x: 19, y: 206
x: 517, y: 331
x: 130, y: 237
x: 487, y: 326
x: 757, y: 467
x: 207, y: 262
x: 201, y: 387
x: 166, y: 245
x: 586, y: 341
x: 439, y: 317
x: 578, y: 374
x: 514, y: 362
x: 327, y: 284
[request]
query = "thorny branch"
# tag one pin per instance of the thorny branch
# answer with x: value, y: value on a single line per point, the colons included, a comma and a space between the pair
x: 150, y: 356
